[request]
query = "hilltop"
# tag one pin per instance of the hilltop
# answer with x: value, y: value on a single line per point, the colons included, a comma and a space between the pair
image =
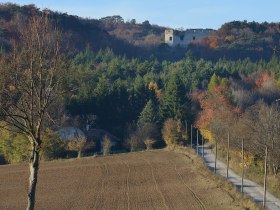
x: 239, y: 40
x: 124, y: 38
x: 234, y: 40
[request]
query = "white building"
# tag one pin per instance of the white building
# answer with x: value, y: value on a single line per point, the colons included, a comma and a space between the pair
x: 183, y: 38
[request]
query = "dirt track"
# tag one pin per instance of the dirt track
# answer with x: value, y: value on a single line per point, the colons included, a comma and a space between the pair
x: 144, y: 180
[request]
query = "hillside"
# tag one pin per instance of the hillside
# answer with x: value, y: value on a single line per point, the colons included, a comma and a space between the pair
x: 238, y: 40
x: 130, y: 39
x: 144, y: 180
x: 138, y: 34
x: 234, y: 40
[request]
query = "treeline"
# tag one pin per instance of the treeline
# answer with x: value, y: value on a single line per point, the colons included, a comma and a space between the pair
x: 116, y: 89
x: 233, y: 41
x: 128, y: 38
x: 121, y: 95
x: 239, y: 40
x: 139, y: 34
x: 77, y: 32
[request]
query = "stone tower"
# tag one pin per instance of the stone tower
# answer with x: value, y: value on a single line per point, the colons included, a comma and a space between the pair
x: 169, y: 38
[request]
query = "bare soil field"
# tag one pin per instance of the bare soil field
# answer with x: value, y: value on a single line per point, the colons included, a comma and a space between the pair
x: 141, y: 180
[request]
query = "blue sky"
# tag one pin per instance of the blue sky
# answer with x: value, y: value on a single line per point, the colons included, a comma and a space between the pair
x: 169, y: 13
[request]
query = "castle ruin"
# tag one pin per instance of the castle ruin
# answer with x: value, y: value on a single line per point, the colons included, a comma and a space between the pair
x: 183, y: 38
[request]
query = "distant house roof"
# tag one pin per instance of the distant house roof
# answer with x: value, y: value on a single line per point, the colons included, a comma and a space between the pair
x: 98, y: 135
x: 70, y: 133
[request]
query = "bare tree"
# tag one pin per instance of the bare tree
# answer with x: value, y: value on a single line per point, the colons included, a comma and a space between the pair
x: 173, y: 132
x: 263, y: 124
x: 106, y: 144
x: 263, y: 130
x: 31, y: 83
x: 149, y: 143
x: 78, y: 143
x: 220, y: 128
x: 134, y: 142
x: 145, y: 135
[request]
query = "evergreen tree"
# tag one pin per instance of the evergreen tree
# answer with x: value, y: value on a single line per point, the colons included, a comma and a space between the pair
x: 148, y: 114
x: 174, y: 100
x: 214, y: 82
x: 224, y: 82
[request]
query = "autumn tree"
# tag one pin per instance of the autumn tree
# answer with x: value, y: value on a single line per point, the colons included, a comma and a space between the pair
x: 216, y: 108
x: 32, y: 75
x: 173, y: 132
x: 149, y: 143
x: 78, y: 144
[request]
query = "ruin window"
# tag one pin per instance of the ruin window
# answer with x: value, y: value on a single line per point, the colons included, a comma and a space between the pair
x: 170, y: 38
x: 182, y: 38
x: 193, y: 38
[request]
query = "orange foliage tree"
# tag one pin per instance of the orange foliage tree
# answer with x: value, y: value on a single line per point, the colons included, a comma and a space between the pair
x: 264, y: 77
x: 215, y: 105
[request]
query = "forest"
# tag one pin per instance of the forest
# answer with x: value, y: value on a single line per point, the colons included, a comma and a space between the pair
x: 145, y: 101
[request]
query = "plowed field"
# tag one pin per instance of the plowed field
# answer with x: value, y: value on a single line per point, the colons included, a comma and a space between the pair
x: 143, y: 180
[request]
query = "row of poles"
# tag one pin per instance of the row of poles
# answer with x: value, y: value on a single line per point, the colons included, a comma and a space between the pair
x: 228, y: 158
x: 197, y: 140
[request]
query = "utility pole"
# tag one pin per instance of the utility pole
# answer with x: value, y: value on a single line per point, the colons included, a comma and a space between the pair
x: 228, y: 154
x: 242, y: 178
x: 186, y: 124
x: 202, y: 147
x: 216, y: 153
x: 265, y: 177
x: 191, y: 136
x: 197, y: 141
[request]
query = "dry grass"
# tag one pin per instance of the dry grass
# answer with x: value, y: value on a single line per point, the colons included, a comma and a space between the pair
x: 245, y: 202
x: 155, y: 179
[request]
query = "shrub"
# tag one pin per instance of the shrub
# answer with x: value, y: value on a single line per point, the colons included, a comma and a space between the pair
x: 53, y: 146
x: 134, y: 142
x: 173, y: 132
x: 149, y: 143
x: 77, y: 144
x: 137, y: 138
x: 106, y: 144
x: 14, y: 148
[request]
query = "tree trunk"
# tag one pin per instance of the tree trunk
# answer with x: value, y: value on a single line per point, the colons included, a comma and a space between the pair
x: 275, y: 169
x: 79, y: 153
x: 34, y: 168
